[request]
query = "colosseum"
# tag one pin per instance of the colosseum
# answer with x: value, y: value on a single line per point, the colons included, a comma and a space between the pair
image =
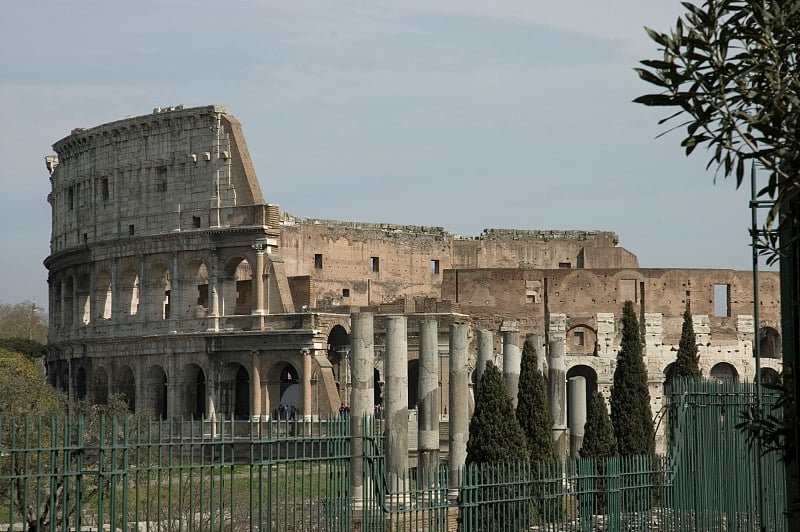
x: 174, y: 283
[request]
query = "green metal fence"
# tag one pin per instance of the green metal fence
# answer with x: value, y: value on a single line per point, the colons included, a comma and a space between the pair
x: 132, y: 474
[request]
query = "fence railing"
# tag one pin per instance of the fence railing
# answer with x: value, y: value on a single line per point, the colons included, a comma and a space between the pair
x: 131, y: 474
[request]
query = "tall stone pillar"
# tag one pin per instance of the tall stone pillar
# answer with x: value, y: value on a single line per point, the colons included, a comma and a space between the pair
x: 213, y: 295
x: 576, y: 395
x: 485, y: 354
x: 536, y: 341
x: 396, y: 408
x: 556, y: 392
x: 258, y: 277
x: 512, y: 359
x: 362, y: 398
x: 255, y: 388
x: 459, y: 414
x: 308, y: 360
x: 428, y: 401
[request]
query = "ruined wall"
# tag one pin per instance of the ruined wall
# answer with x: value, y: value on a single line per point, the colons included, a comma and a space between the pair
x: 341, y: 256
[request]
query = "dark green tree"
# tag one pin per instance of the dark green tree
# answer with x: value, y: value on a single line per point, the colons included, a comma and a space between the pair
x: 686, y: 361
x: 494, y: 433
x: 30, y: 348
x: 533, y: 410
x: 630, y: 399
x: 728, y: 73
x: 598, y: 433
x: 497, y: 458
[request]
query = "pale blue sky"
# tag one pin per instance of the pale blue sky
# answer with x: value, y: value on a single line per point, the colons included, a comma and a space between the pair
x: 456, y: 113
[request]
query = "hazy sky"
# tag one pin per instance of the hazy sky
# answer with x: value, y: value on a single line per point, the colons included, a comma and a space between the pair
x: 454, y: 113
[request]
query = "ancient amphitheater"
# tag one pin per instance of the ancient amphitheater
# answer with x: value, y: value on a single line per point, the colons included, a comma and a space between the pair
x: 173, y: 282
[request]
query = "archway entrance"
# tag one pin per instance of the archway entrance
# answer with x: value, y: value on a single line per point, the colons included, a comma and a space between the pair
x: 339, y: 357
x: 724, y: 372
x: 194, y: 391
x: 100, y: 385
x: 235, y: 391
x: 125, y: 385
x: 289, y: 404
x: 155, y: 382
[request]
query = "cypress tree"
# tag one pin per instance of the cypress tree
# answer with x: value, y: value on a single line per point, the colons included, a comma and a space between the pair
x: 630, y: 398
x: 598, y: 433
x: 494, y: 433
x: 687, y: 360
x: 533, y: 411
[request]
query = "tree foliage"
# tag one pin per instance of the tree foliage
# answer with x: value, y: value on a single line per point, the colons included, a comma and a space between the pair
x: 533, y: 410
x: 729, y: 74
x: 25, y: 320
x: 598, y: 437
x: 30, y: 348
x: 687, y: 359
x: 494, y: 433
x: 630, y: 398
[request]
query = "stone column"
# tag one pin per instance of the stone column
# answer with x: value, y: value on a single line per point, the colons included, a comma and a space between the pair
x: 428, y: 401
x: 556, y: 392
x: 512, y: 359
x: 258, y: 277
x: 362, y: 398
x: 485, y: 354
x: 576, y: 393
x: 396, y: 411
x: 536, y: 341
x: 213, y: 296
x: 308, y: 356
x: 255, y: 387
x: 459, y: 415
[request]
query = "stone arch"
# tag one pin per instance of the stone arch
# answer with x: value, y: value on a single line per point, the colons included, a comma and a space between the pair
x: 129, y: 291
x: 194, y: 290
x: 103, y: 297
x: 100, y: 385
x: 339, y: 357
x: 669, y: 378
x: 155, y: 391
x: 769, y: 343
x: 235, y: 391
x: 125, y: 385
x: 69, y: 300
x: 194, y: 391
x: 581, y: 340
x: 723, y: 371
x: 237, y: 287
x: 80, y: 383
x: 84, y: 306
x: 588, y: 373
x: 158, y: 292
x: 770, y: 376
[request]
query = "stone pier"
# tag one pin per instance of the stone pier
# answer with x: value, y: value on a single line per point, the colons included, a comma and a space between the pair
x: 512, y: 359
x: 362, y: 398
x: 428, y: 400
x: 485, y: 353
x: 576, y: 413
x: 396, y: 409
x: 459, y: 414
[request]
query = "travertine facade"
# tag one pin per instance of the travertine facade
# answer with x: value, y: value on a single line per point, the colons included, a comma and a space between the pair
x: 173, y: 282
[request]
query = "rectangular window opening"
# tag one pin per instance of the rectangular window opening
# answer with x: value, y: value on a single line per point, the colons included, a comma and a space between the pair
x: 317, y: 261
x: 71, y: 198
x: 104, y: 191
x: 579, y: 339
x: 196, y: 222
x: 345, y: 292
x: 374, y: 264
x: 131, y: 230
x: 435, y: 266
x: 722, y: 300
x: 565, y: 265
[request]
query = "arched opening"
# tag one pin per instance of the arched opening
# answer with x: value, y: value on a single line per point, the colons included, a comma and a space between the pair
x: 770, y: 376
x: 724, y: 372
x: 581, y: 340
x: 241, y: 408
x: 194, y: 391
x: 80, y: 384
x: 84, y: 299
x: 69, y: 288
x: 103, y: 295
x: 158, y: 292
x: 235, y: 391
x: 155, y: 389
x: 125, y: 385
x: 769, y: 343
x: 194, y: 292
x: 237, y: 287
x: 129, y: 292
x: 669, y: 378
x: 100, y: 385
x: 289, y: 404
x: 413, y: 383
x: 339, y: 357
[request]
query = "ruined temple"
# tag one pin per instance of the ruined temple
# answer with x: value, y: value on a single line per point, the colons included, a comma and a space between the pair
x: 174, y: 283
